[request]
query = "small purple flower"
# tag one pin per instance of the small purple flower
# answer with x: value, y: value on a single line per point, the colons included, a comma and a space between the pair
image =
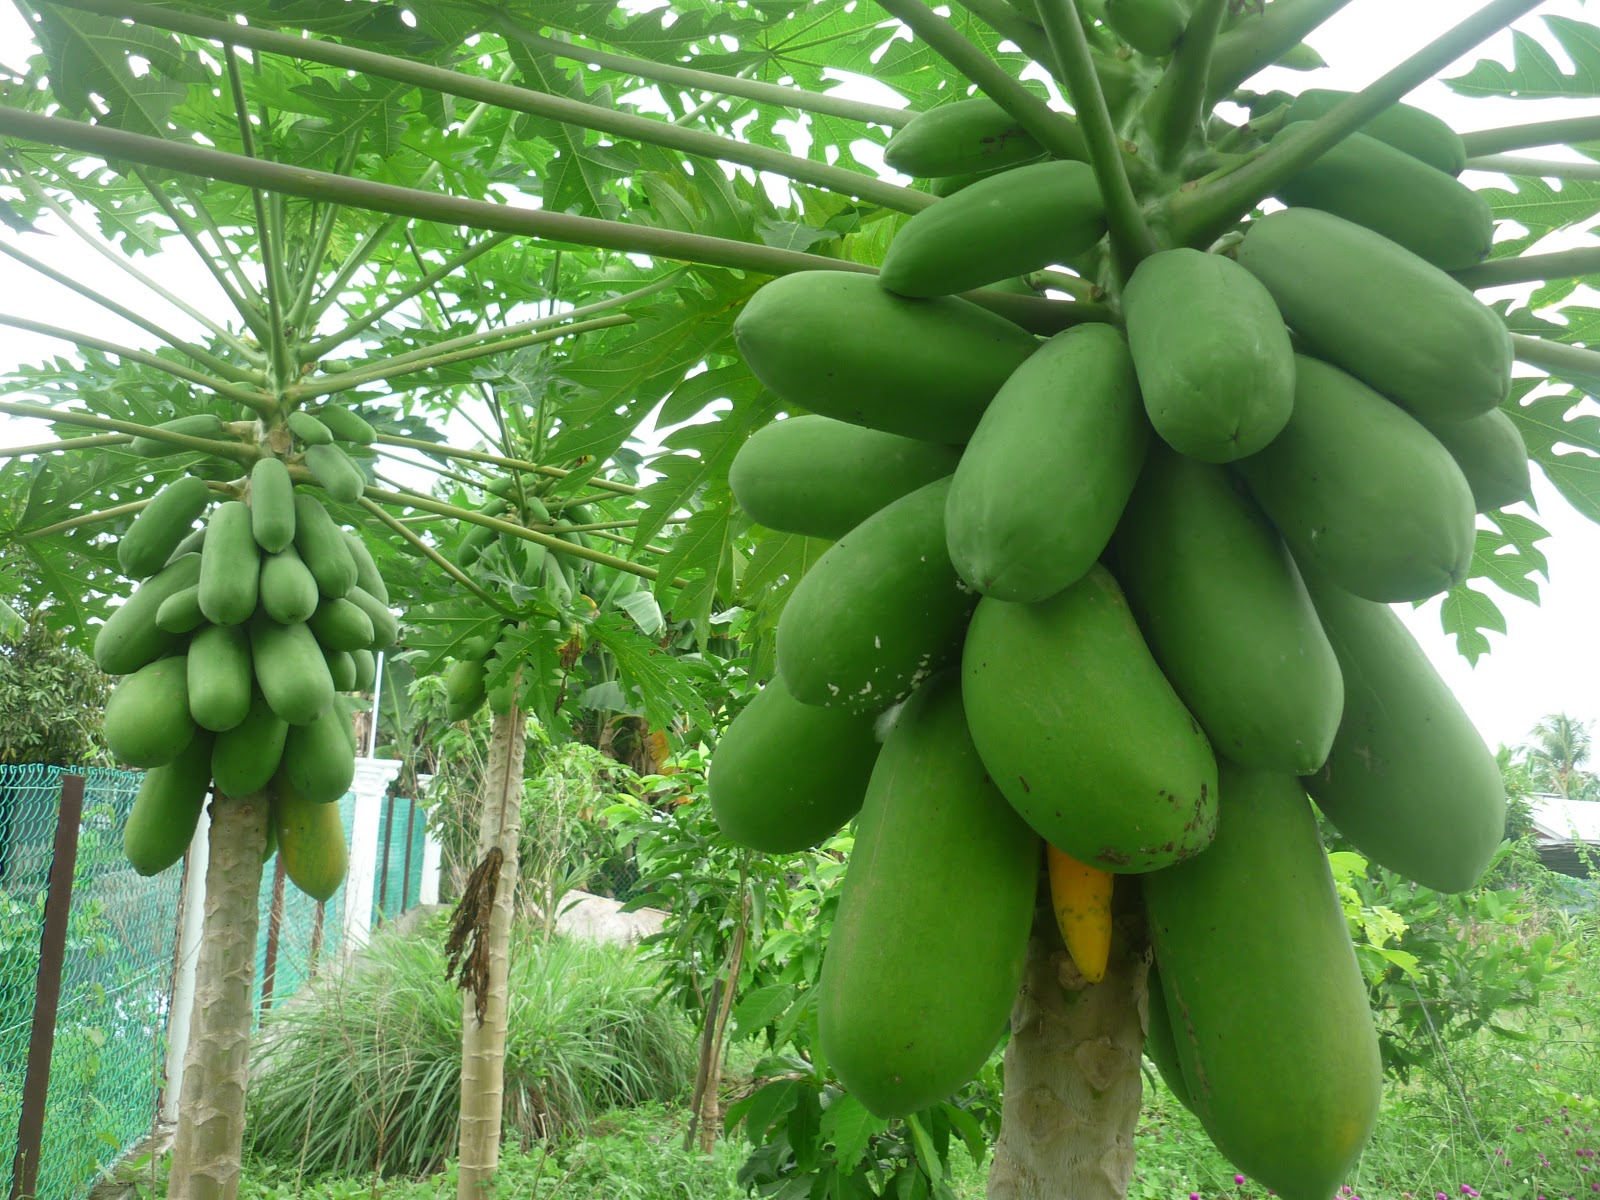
x: 1194, y: 1196
x: 1519, y: 1130
x: 1238, y: 1178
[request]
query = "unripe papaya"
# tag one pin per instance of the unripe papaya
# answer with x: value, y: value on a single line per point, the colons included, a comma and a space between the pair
x: 881, y: 611
x: 366, y: 670
x: 1151, y: 27
x: 786, y: 775
x: 1007, y: 225
x: 1363, y: 492
x: 1082, y: 732
x: 1215, y: 365
x: 219, y: 677
x: 308, y: 429
x: 385, y: 628
x: 244, y: 758
x: 346, y: 425
x: 272, y: 504
x: 1040, y: 487
x: 1414, y: 130
x: 147, y: 721
x: 927, y: 949
x: 167, y: 809
x: 331, y: 467
x: 838, y: 344
x: 161, y: 525
x: 319, y: 759
x: 322, y: 547
x: 820, y: 477
x: 1226, y: 615
x: 290, y: 670
x: 1160, y: 1044
x: 180, y: 612
x: 199, y: 425
x: 368, y: 577
x: 1430, y: 213
x: 1409, y: 780
x: 341, y: 625
x: 954, y: 139
x: 1394, y: 321
x: 1491, y: 454
x: 1269, y: 1008
x: 131, y: 637
x: 464, y: 691
x: 289, y: 592
x: 230, y: 566
x: 342, y: 670
x: 310, y: 841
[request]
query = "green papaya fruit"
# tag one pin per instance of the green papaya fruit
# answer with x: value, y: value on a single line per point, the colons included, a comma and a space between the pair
x: 959, y: 138
x: 289, y: 592
x: 290, y: 670
x: 1397, y: 323
x: 346, y: 425
x: 319, y: 760
x: 272, y: 504
x: 368, y: 577
x: 342, y: 670
x: 322, y: 547
x: 1227, y: 617
x: 785, y: 775
x: 881, y: 611
x: 1415, y: 131
x: 838, y: 344
x: 161, y: 525
x: 230, y: 566
x: 1160, y: 1044
x: 131, y: 636
x: 244, y: 758
x: 821, y: 478
x: 147, y: 721
x: 366, y: 671
x: 1270, y: 1014
x: 166, y: 810
x: 1432, y: 214
x: 180, y: 612
x: 385, y: 627
x: 1083, y: 734
x: 340, y: 478
x: 199, y: 425
x: 1409, y: 780
x: 1151, y: 27
x: 1041, y: 485
x: 1491, y: 454
x: 219, y: 677
x: 1363, y: 492
x: 1215, y: 364
x: 926, y: 952
x: 191, y: 544
x: 311, y: 842
x: 1013, y: 223
x: 308, y: 429
x: 341, y: 625
x: 464, y: 691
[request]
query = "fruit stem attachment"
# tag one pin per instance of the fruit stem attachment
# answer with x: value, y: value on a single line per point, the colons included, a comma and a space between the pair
x: 1131, y: 239
x: 1532, y: 268
x: 426, y: 551
x: 1572, y: 363
x: 1259, y: 41
x: 1539, y: 168
x: 1054, y: 131
x: 1204, y: 213
x: 1524, y: 137
x: 1175, y: 107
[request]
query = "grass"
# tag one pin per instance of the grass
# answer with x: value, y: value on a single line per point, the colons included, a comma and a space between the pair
x: 362, y: 1075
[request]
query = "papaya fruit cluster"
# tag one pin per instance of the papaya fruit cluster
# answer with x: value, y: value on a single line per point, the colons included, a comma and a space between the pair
x: 1123, y: 592
x: 234, y: 649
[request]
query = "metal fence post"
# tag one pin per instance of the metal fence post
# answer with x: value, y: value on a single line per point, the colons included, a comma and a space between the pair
x: 411, y: 830
x: 269, y: 970
x: 47, y: 990
x: 383, y: 873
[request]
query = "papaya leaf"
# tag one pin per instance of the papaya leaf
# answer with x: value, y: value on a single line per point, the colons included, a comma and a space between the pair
x: 1465, y: 614
x: 1542, y: 207
x: 849, y: 1126
x: 668, y: 688
x: 1566, y: 444
x: 94, y: 56
x: 1534, y: 73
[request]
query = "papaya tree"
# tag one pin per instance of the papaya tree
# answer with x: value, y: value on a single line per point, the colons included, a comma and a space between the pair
x: 1247, y: 319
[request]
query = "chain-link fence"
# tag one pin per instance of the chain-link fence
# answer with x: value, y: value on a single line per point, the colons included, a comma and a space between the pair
x: 107, y: 1063
x: 402, y: 830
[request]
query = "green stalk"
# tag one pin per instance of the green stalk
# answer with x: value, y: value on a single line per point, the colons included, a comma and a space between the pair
x: 1540, y: 133
x: 517, y: 99
x: 1036, y: 315
x: 1556, y: 357
x: 82, y: 443
x: 428, y: 504
x: 267, y: 239
x: 58, y: 416
x: 423, y: 360
x: 231, y: 261
x: 1259, y: 41
x: 1542, y: 168
x: 498, y: 460
x: 428, y: 552
x: 94, y: 518
x: 708, y: 81
x: 250, y: 399
x: 1204, y: 213
x: 1054, y: 131
x: 205, y: 358
x: 249, y: 353
x: 1178, y: 103
x: 327, y: 219
x: 1131, y: 239
x: 1011, y: 25
x: 247, y: 311
x: 320, y: 348
x: 1532, y: 268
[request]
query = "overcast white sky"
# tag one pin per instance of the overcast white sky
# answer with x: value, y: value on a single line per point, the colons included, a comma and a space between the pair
x: 1548, y: 661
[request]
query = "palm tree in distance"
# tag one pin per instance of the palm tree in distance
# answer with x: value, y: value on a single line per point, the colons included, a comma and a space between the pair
x: 1556, y: 756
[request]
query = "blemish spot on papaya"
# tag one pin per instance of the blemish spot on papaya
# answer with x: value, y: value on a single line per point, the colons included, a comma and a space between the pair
x: 1024, y: 782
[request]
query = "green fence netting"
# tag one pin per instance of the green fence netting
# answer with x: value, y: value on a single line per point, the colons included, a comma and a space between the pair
x: 402, y: 828
x: 110, y: 1036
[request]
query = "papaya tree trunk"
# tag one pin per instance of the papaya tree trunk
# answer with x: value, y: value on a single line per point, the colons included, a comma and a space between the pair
x: 1072, y: 1072
x: 492, y: 892
x: 209, y: 1142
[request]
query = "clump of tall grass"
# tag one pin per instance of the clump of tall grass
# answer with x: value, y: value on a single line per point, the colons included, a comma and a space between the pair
x: 362, y: 1073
